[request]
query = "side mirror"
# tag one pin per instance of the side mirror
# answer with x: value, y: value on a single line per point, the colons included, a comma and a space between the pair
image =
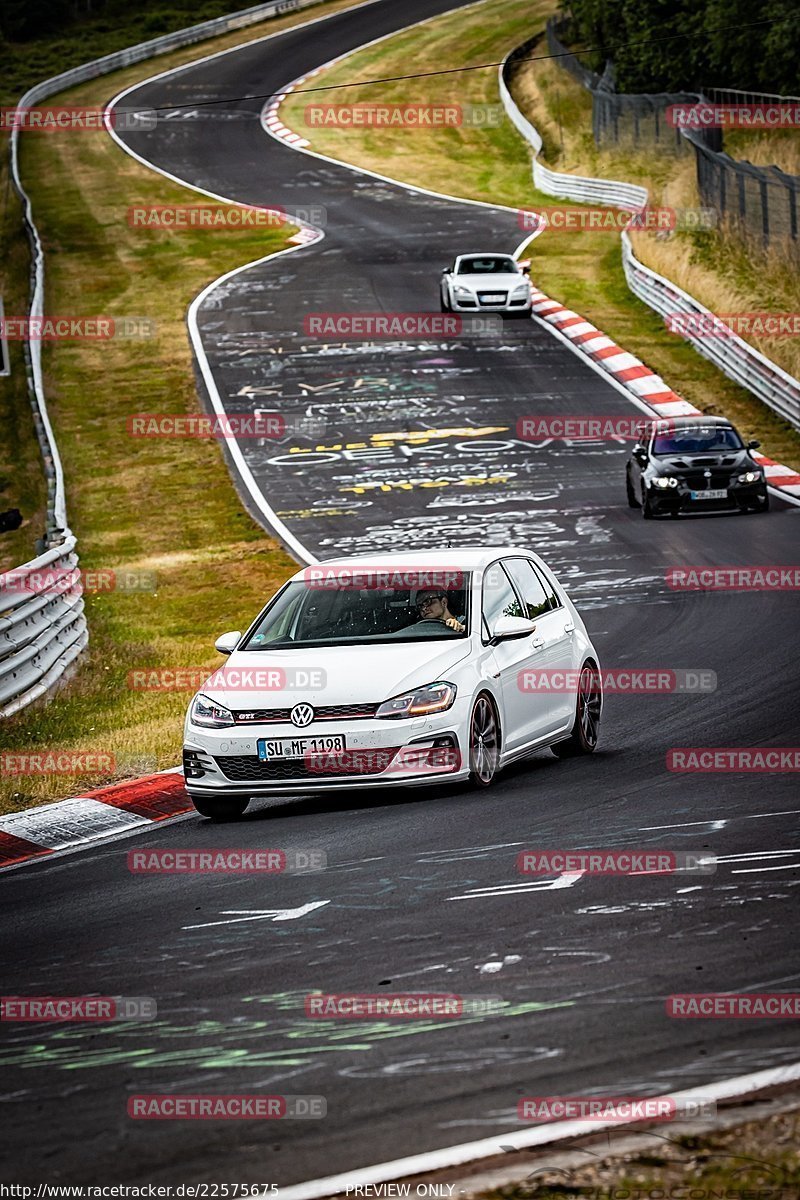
x: 512, y: 627
x: 525, y: 267
x: 640, y: 452
x: 445, y: 270
x: 753, y: 445
x: 226, y: 643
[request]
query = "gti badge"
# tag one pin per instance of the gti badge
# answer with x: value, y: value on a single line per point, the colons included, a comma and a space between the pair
x: 301, y: 715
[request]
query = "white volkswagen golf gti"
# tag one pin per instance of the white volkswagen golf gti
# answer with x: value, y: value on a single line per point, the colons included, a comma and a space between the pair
x: 403, y: 669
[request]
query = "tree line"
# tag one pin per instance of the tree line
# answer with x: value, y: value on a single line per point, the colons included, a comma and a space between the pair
x: 645, y: 40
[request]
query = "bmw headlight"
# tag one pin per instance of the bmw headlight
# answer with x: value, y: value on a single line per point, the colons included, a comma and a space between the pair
x: 751, y: 477
x: 209, y: 714
x: 665, y: 481
x: 434, y: 698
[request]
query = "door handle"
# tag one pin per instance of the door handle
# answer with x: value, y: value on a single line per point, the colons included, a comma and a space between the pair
x: 537, y: 643
x: 569, y: 627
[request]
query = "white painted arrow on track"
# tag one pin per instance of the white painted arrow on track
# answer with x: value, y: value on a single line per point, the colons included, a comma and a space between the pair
x: 565, y: 880
x: 238, y: 915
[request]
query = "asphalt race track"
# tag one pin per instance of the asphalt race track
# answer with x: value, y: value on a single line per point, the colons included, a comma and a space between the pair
x: 422, y: 892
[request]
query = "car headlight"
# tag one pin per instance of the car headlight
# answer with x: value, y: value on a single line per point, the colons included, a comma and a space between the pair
x: 751, y: 477
x: 463, y: 293
x: 665, y: 481
x: 521, y: 289
x: 434, y: 698
x: 209, y: 714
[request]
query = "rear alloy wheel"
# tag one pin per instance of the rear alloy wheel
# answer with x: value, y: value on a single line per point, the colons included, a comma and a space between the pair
x: 484, y: 743
x: 221, y: 808
x: 632, y: 501
x: 586, y: 727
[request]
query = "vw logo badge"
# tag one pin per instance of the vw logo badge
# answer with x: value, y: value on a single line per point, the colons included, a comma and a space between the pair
x: 301, y: 715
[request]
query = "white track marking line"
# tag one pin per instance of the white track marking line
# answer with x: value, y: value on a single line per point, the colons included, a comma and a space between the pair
x: 241, y: 915
x: 468, y: 1152
x: 720, y: 822
x: 565, y: 880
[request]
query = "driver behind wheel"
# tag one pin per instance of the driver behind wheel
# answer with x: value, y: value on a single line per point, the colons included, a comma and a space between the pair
x: 433, y: 606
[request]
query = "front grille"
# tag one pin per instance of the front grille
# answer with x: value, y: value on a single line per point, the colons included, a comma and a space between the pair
x: 247, y: 768
x: 698, y: 482
x: 330, y: 712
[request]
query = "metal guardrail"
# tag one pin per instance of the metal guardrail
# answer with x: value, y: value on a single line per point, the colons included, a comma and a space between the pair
x: 738, y: 360
x: 43, y: 630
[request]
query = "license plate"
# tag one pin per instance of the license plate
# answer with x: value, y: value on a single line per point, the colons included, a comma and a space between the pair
x: 711, y: 494
x: 299, y: 747
x: 492, y: 299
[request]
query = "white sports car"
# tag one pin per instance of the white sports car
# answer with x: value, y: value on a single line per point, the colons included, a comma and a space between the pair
x: 394, y: 669
x: 485, y: 283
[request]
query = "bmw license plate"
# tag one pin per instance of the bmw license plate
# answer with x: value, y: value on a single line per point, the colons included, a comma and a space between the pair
x: 299, y: 747
x: 492, y: 299
x: 711, y: 494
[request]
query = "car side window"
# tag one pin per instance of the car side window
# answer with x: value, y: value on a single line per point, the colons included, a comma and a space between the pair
x: 499, y: 598
x: 530, y: 587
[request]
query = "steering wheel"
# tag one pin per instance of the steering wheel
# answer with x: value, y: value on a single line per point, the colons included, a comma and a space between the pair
x: 433, y: 621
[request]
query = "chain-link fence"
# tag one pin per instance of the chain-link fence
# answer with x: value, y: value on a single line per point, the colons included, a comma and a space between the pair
x: 755, y: 203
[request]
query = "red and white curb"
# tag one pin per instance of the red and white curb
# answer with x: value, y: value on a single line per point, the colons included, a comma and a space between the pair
x: 644, y: 384
x: 72, y: 823
x: 271, y: 121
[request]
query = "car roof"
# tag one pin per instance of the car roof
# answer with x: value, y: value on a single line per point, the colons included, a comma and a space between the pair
x: 486, y: 254
x: 467, y: 558
x: 700, y: 421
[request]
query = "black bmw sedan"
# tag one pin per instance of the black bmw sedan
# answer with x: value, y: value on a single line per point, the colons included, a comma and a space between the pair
x: 694, y: 464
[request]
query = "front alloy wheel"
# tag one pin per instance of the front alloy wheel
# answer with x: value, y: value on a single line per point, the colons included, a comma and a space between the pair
x: 588, y: 704
x: 484, y: 743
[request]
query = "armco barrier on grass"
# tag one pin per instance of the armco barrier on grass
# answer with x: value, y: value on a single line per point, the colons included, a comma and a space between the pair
x: 41, y: 637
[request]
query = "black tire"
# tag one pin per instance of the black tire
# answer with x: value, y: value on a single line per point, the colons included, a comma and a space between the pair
x: 647, y: 508
x: 443, y: 305
x: 484, y: 742
x: 632, y: 501
x: 221, y: 808
x: 588, y: 706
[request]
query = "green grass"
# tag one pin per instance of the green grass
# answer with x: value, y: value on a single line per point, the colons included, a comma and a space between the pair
x: 583, y: 270
x: 22, y: 482
x: 161, y: 506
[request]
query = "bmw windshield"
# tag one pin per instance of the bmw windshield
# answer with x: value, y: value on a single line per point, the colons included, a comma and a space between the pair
x: 698, y: 440
x: 317, y: 614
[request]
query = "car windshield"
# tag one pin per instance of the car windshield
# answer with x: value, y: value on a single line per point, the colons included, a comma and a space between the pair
x: 490, y: 264
x: 319, y: 614
x: 698, y: 440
